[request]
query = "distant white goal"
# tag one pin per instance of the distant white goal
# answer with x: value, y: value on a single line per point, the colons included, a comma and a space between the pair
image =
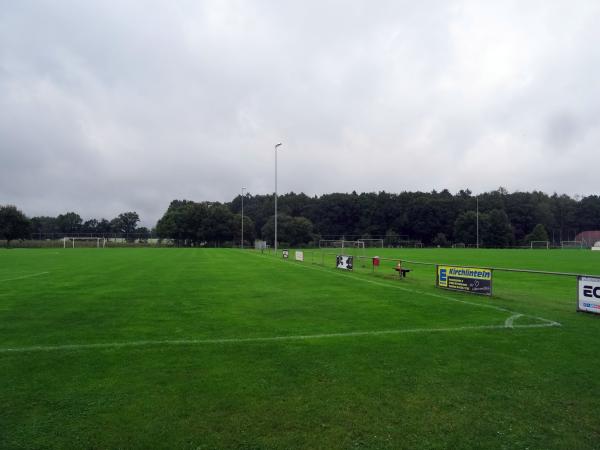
x: 90, y: 241
x: 571, y: 244
x: 408, y: 244
x: 539, y: 244
x: 376, y: 243
x: 340, y: 243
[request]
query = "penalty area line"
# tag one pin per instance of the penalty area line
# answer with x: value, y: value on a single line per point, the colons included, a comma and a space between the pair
x: 301, y: 337
x: 24, y: 276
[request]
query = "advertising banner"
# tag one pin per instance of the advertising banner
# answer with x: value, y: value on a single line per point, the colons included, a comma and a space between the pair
x: 285, y: 254
x: 589, y: 294
x: 299, y: 256
x: 475, y: 280
x: 344, y: 262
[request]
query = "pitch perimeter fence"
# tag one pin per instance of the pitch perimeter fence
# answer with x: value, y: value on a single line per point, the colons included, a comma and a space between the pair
x: 386, y: 269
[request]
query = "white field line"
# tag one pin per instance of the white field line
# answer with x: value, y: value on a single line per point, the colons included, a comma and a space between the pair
x: 24, y: 276
x: 11, y: 272
x: 508, y: 325
x: 108, y: 345
x: 416, y: 291
x: 509, y: 322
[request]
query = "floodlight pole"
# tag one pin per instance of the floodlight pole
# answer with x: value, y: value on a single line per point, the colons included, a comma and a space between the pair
x: 477, y: 221
x: 243, y: 189
x: 275, y: 242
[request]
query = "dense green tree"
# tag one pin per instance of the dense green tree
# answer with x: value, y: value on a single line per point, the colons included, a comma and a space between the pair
x: 423, y: 215
x: 539, y: 233
x: 563, y: 209
x: 125, y: 223
x: 290, y: 230
x: 218, y: 225
x: 44, y: 226
x: 103, y: 226
x: 440, y: 240
x: 588, y: 213
x: 182, y: 222
x: 69, y: 223
x: 465, y: 228
x: 498, y: 231
x: 13, y: 224
x: 142, y: 234
x: 89, y: 226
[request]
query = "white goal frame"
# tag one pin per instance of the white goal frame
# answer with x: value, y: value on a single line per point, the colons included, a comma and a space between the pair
x: 571, y: 244
x: 379, y: 242
x: 99, y: 240
x: 545, y: 244
x: 343, y: 243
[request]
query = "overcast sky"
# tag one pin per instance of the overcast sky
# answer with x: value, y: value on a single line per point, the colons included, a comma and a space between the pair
x: 112, y: 106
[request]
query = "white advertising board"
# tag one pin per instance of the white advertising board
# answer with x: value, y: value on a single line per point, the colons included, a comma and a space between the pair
x: 299, y: 256
x: 344, y: 262
x: 285, y: 254
x: 588, y: 298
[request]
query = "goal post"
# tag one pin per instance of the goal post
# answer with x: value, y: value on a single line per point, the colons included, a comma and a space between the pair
x: 571, y: 244
x: 344, y: 247
x: 539, y: 244
x: 373, y: 243
x: 91, y: 241
x: 340, y: 243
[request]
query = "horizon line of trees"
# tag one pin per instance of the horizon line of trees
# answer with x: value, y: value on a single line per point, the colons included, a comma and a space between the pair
x: 15, y: 225
x: 433, y: 218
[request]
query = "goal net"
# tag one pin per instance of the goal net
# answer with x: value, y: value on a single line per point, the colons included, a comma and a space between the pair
x: 458, y: 245
x: 340, y: 243
x: 408, y: 244
x: 539, y: 244
x: 344, y: 247
x: 372, y: 243
x: 571, y: 244
x: 73, y: 242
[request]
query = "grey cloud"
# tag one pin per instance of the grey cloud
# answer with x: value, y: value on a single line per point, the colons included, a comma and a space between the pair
x: 113, y: 106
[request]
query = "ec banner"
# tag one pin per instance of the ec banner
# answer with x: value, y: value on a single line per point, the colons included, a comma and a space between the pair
x: 589, y: 294
x: 475, y: 280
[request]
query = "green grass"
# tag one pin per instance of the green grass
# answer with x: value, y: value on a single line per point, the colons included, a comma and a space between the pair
x: 173, y: 348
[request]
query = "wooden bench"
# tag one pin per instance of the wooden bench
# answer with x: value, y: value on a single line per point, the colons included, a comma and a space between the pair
x: 401, y: 272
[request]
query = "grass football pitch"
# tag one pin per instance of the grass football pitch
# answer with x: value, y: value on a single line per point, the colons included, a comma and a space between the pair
x: 223, y: 348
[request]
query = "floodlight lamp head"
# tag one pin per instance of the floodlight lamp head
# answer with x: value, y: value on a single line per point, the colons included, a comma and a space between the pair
x: 277, y: 145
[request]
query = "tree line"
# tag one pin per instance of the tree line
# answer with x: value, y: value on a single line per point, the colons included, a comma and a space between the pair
x: 434, y: 218
x: 14, y: 224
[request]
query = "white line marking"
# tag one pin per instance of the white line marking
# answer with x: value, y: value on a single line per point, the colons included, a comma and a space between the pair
x: 509, y: 322
x: 50, y: 348
x: 416, y: 291
x: 24, y: 276
x: 508, y: 325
